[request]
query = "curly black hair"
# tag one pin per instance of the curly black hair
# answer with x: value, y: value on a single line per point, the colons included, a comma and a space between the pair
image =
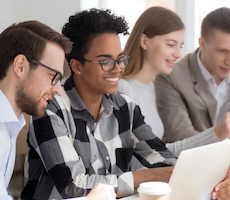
x: 84, y: 26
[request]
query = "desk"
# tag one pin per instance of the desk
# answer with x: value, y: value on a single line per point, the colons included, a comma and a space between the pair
x: 133, y: 197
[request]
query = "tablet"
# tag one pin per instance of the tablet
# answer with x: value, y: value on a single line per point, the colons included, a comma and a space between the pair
x: 199, y: 170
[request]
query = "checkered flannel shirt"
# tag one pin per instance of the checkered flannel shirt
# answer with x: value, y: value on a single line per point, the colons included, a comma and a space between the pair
x: 65, y: 146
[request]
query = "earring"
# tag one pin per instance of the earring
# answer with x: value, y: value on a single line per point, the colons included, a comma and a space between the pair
x: 79, y: 72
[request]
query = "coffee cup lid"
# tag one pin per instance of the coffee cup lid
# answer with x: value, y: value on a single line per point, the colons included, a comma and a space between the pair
x: 154, y: 188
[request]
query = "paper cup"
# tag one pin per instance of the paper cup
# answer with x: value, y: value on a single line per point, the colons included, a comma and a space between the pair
x: 154, y: 191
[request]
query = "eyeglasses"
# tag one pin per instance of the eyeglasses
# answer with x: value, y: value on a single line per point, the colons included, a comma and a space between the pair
x: 57, y: 77
x: 109, y: 64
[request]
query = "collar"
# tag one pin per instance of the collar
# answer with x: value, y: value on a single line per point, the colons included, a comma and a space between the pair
x: 77, y: 104
x: 7, y: 113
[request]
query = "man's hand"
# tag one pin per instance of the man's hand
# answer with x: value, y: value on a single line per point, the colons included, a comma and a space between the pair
x: 222, y: 190
x: 222, y: 130
x: 102, y: 192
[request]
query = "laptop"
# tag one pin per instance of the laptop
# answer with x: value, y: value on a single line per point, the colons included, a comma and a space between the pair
x: 199, y: 170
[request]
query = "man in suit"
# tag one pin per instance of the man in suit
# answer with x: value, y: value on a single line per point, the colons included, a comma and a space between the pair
x: 195, y: 96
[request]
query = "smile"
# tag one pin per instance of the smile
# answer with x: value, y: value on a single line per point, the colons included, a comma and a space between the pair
x: 47, y: 99
x: 112, y: 79
x: 171, y: 61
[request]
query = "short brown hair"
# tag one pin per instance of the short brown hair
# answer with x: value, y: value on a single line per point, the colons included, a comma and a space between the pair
x: 154, y: 21
x: 218, y: 19
x: 28, y: 38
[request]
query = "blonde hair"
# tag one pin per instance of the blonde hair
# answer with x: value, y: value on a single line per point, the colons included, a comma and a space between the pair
x: 154, y: 21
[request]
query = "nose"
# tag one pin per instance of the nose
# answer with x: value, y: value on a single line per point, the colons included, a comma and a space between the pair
x: 227, y: 61
x: 56, y: 89
x: 117, y: 68
x: 177, y: 53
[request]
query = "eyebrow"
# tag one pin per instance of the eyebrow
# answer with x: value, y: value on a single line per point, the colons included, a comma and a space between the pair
x: 108, y: 55
x: 173, y: 41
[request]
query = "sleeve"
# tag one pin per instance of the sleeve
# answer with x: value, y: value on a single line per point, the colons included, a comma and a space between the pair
x: 203, y: 138
x: 149, y: 149
x: 62, y: 162
x: 172, y: 110
x: 4, y: 195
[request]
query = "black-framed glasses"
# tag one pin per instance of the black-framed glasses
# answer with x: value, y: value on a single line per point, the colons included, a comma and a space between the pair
x: 109, y: 64
x: 57, y: 77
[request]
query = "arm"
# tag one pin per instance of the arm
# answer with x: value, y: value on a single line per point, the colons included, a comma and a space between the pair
x: 102, y: 192
x: 211, y: 135
x: 99, y: 192
x: 3, y: 192
x: 206, y: 137
x: 151, y: 152
x: 4, y: 195
x: 161, y: 174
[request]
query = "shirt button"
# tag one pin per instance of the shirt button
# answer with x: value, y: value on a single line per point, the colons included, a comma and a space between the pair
x: 107, y: 158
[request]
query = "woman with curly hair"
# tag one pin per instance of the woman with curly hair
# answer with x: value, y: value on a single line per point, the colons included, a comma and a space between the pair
x: 90, y: 134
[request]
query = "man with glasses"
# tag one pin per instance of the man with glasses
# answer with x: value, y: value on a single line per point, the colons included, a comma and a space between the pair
x: 90, y: 134
x: 31, y: 67
x: 25, y: 86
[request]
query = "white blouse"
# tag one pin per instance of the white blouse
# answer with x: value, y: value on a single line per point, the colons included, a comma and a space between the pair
x: 144, y: 96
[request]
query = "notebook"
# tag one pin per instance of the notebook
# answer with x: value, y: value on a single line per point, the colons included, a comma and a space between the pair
x: 199, y: 170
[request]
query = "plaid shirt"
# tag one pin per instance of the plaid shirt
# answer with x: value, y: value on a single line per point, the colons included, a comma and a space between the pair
x: 66, y: 148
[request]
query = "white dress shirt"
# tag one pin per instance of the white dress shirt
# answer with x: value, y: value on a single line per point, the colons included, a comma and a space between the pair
x: 10, y: 126
x: 221, y: 92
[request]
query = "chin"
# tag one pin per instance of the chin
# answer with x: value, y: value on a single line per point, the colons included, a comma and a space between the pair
x: 39, y: 112
x: 167, y: 72
x: 110, y: 91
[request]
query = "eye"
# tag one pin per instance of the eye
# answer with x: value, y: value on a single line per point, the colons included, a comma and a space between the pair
x: 222, y: 51
x: 52, y: 75
x: 106, y: 62
x: 121, y: 59
x: 171, y: 45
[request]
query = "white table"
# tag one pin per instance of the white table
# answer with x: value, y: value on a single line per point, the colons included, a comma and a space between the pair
x: 133, y: 197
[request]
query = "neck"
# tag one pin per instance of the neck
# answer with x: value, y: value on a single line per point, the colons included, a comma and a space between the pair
x: 7, y: 87
x: 146, y: 74
x: 90, y: 98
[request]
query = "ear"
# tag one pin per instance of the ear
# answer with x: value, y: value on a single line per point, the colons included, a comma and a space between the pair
x: 202, y: 43
x: 20, y: 64
x: 144, y: 41
x: 76, y: 66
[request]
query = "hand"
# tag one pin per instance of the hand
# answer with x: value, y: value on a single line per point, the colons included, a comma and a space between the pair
x: 222, y: 130
x: 102, y: 192
x: 154, y: 174
x: 222, y: 190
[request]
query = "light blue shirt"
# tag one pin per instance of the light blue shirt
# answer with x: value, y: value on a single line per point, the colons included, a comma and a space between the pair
x: 10, y: 126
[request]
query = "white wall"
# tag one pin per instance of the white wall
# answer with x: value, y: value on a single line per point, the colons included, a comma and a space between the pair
x: 186, y: 10
x: 54, y: 13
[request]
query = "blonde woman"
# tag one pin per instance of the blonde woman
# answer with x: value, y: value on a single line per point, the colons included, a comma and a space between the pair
x: 154, y: 46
